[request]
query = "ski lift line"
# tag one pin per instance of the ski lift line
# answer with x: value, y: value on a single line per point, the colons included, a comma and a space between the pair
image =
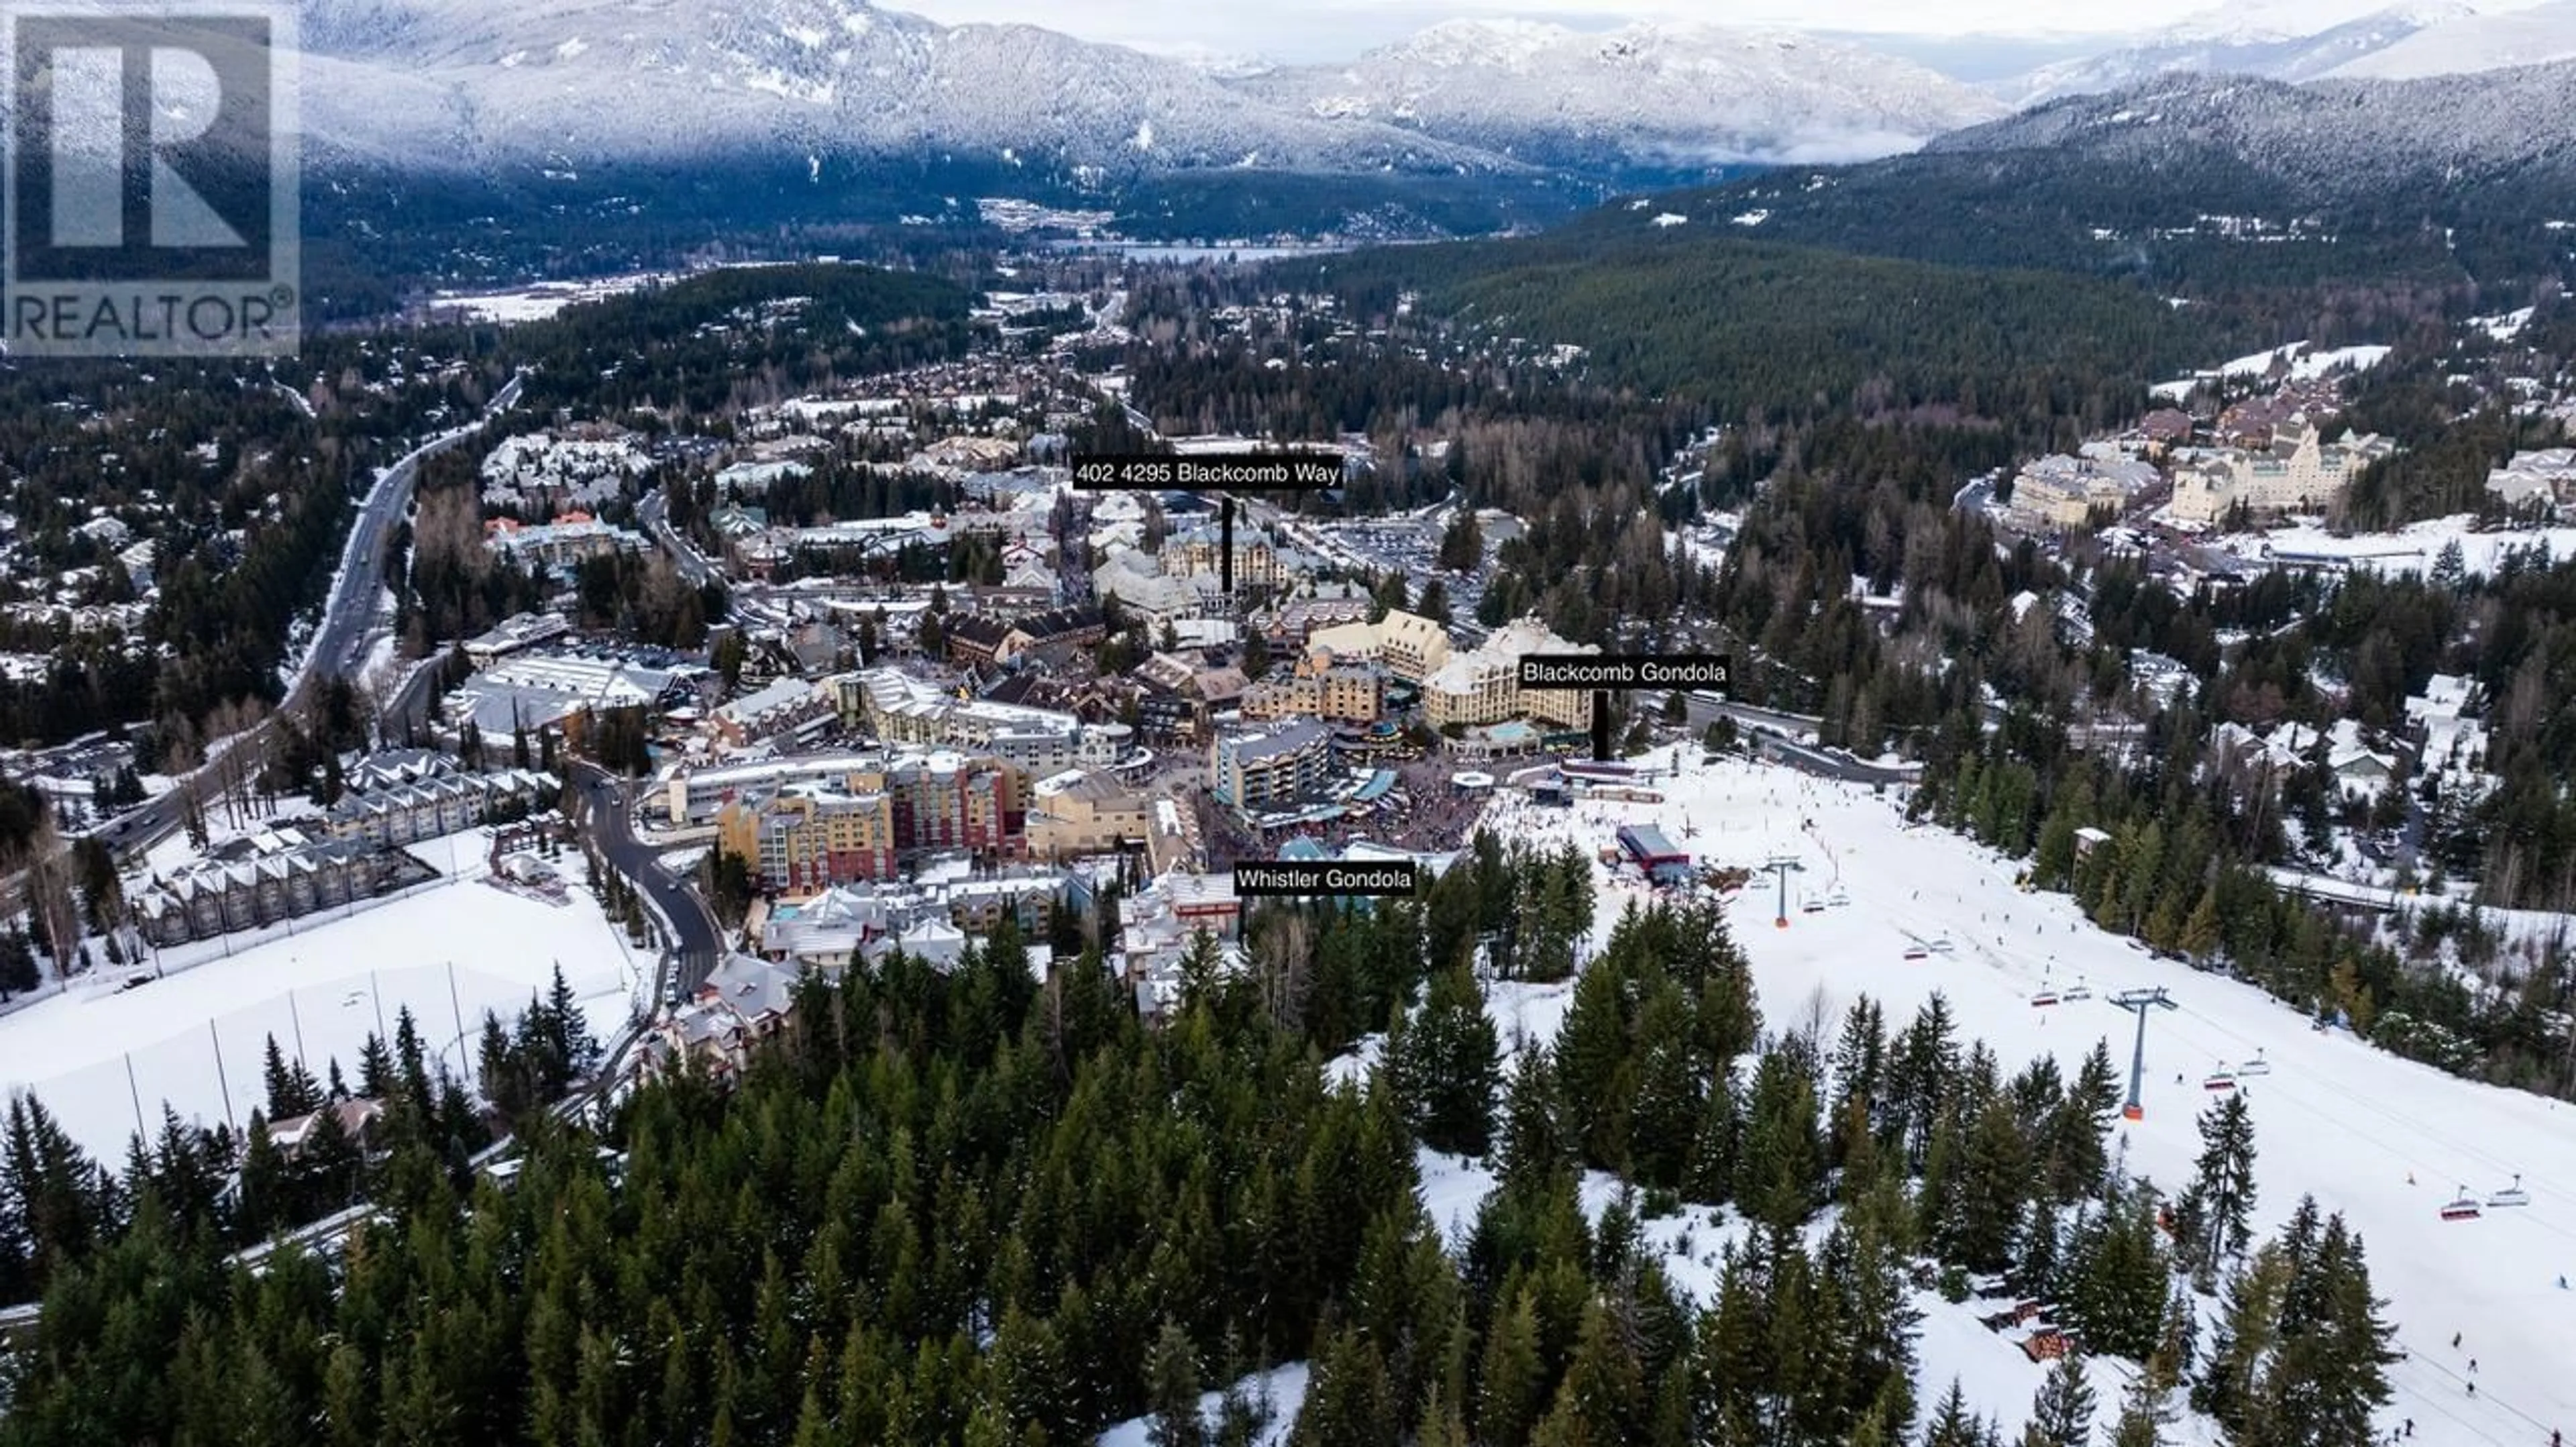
x: 2394, y: 1116
x: 2430, y: 1404
x: 2435, y: 1364
x: 2339, y: 1118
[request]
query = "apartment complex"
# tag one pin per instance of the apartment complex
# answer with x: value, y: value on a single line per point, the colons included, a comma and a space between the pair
x: 1411, y: 646
x: 899, y: 708
x: 219, y: 896
x: 2299, y: 472
x: 1076, y: 814
x: 1202, y: 550
x: 790, y: 706
x: 1483, y: 687
x: 2062, y: 491
x: 569, y: 539
x: 407, y: 812
x: 1321, y: 686
x: 1260, y: 768
x: 812, y: 835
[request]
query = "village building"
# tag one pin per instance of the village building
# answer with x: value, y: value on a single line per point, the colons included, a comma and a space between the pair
x: 2060, y: 491
x: 1483, y: 687
x: 568, y: 540
x: 1258, y: 768
x: 810, y: 835
x: 1411, y: 646
x: 397, y: 814
x: 1320, y: 685
x: 899, y: 708
x: 519, y: 630
x: 1076, y: 814
x: 219, y: 896
x: 2297, y: 472
x: 2540, y: 480
x: 789, y: 708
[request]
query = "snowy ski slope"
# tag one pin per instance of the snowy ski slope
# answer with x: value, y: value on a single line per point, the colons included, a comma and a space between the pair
x: 2334, y: 1117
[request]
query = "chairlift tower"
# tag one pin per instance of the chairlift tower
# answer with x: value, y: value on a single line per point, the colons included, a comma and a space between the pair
x: 2140, y: 1002
x: 1784, y: 866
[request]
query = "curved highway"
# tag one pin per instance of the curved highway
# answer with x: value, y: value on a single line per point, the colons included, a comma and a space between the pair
x: 340, y: 643
x: 695, y: 944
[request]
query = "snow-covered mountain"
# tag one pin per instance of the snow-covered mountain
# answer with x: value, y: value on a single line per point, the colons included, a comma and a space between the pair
x: 467, y: 82
x: 2328, y: 138
x: 2474, y: 43
x: 2276, y: 41
x: 1648, y: 94
x: 2303, y: 40
x: 569, y: 82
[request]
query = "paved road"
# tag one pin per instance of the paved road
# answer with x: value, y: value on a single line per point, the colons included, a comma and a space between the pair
x: 1835, y: 764
x: 1703, y: 710
x: 340, y: 643
x: 693, y: 565
x: 612, y: 826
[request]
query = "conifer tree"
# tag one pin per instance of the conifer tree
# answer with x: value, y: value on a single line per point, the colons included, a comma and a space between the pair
x: 1860, y: 1060
x: 1512, y: 1376
x: 1994, y: 1171
x: 1600, y: 1399
x: 1444, y: 1063
x: 2223, y: 1177
x: 291, y: 1088
x: 2230, y: 1383
x: 1668, y: 1107
x: 1924, y: 1061
x: 2062, y: 1412
x: 1172, y: 1390
x: 2138, y: 1424
x: 1347, y: 1398
x: 1199, y: 970
x: 1715, y: 1146
x: 265, y: 1199
x: 1780, y: 1173
x: 1952, y: 1424
x: 1534, y: 1148
x: 2081, y: 1122
x: 1595, y: 1074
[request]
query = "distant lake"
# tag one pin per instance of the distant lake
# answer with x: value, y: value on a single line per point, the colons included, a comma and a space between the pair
x: 1167, y: 251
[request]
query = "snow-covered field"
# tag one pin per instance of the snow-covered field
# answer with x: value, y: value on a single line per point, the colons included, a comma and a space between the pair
x: 331, y: 977
x: 2380, y: 1139
x: 539, y: 302
x: 2413, y: 549
x: 2304, y: 362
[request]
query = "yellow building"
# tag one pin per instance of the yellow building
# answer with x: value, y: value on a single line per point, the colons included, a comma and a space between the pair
x: 1411, y: 646
x: 1085, y: 814
x: 2299, y: 472
x: 1483, y: 687
x: 811, y: 836
x: 1321, y: 686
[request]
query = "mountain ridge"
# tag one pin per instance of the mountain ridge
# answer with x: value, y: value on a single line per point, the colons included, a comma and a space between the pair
x: 1655, y: 93
x: 458, y: 83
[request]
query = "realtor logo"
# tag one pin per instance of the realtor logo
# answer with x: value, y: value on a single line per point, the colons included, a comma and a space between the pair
x: 151, y: 203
